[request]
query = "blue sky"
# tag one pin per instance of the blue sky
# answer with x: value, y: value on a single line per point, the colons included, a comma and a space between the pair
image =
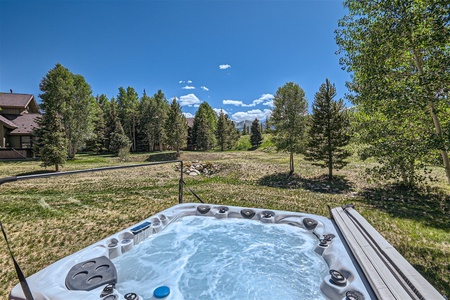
x: 232, y: 54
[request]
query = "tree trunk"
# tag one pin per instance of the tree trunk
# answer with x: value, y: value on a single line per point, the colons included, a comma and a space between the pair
x: 291, y: 163
x: 134, y: 134
x: 56, y: 167
x: 330, y: 159
x: 437, y: 124
x: 404, y: 176
x: 330, y: 172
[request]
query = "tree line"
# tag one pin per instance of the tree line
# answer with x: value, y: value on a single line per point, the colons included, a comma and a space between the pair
x: 73, y: 120
x: 397, y: 51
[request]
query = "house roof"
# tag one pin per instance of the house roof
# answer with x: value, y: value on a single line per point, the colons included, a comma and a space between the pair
x: 13, y: 100
x: 24, y: 124
x: 7, y: 122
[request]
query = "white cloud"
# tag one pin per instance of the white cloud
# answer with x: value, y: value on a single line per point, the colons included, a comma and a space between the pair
x: 269, y: 103
x: 189, y: 100
x: 188, y: 115
x: 188, y: 87
x: 196, y: 105
x: 181, y: 81
x: 265, y: 98
x: 217, y: 110
x: 251, y: 115
x: 204, y: 88
x: 189, y: 81
x: 232, y: 102
x: 224, y: 67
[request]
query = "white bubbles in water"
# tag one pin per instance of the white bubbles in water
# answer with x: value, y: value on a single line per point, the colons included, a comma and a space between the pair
x: 206, y: 258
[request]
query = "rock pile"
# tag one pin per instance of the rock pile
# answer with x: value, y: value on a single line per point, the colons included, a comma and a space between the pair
x: 196, y: 168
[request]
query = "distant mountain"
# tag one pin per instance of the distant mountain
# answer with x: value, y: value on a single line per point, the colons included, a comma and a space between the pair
x: 240, y: 125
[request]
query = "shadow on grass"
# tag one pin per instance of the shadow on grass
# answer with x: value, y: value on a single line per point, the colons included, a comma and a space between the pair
x: 431, y: 205
x: 319, y: 184
x: 167, y: 156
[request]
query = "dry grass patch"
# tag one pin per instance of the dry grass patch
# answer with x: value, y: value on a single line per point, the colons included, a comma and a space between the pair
x: 48, y: 219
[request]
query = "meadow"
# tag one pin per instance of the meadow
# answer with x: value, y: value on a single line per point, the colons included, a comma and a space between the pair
x: 47, y: 219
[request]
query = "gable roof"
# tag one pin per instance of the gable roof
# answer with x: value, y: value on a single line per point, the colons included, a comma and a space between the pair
x: 13, y: 100
x: 7, y: 122
x: 23, y: 124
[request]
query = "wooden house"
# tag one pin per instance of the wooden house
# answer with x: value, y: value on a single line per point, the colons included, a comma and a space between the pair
x: 18, y: 113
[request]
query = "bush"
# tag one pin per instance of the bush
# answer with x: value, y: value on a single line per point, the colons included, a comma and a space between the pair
x: 243, y: 143
x: 124, y: 153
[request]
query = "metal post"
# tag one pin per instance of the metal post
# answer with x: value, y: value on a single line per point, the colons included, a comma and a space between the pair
x: 180, y: 188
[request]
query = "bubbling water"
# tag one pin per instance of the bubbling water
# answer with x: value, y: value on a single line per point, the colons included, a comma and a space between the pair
x: 207, y: 258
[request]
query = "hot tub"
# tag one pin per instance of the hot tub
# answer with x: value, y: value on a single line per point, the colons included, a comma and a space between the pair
x: 199, y: 251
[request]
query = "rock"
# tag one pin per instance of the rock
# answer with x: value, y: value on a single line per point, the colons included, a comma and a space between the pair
x: 193, y: 174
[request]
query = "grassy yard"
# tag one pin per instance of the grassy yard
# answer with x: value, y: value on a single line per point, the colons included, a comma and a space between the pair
x: 48, y: 219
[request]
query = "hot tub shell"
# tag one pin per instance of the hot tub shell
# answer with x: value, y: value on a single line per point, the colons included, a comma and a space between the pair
x: 51, y: 282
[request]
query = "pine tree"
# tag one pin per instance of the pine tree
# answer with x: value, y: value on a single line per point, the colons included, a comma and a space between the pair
x: 162, y: 108
x: 127, y: 109
x: 203, y: 136
x: 226, y: 133
x: 288, y: 117
x: 147, y: 109
x: 51, y: 142
x: 70, y: 97
x: 255, y: 135
x: 119, y: 140
x: 267, y: 125
x: 97, y: 141
x: 176, y: 127
x: 205, y: 124
x: 221, y: 133
x: 232, y: 133
x: 111, y: 122
x: 329, y: 131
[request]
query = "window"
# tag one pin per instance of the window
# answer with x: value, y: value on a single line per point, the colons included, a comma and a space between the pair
x: 25, y: 142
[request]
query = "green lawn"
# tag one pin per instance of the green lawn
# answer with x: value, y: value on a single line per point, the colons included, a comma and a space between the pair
x: 48, y: 219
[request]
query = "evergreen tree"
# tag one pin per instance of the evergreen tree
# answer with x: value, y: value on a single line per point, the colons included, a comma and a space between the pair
x: 288, y: 117
x: 329, y: 130
x: 205, y: 123
x: 267, y: 125
x: 111, y: 122
x: 104, y: 105
x: 127, y: 109
x: 244, y: 129
x: 203, y: 134
x: 70, y: 97
x: 51, y: 143
x: 146, y: 120
x: 226, y: 133
x: 119, y: 140
x: 220, y: 131
x: 159, y: 120
x: 255, y: 136
x: 232, y: 133
x: 97, y: 141
x: 153, y: 115
x: 176, y: 127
